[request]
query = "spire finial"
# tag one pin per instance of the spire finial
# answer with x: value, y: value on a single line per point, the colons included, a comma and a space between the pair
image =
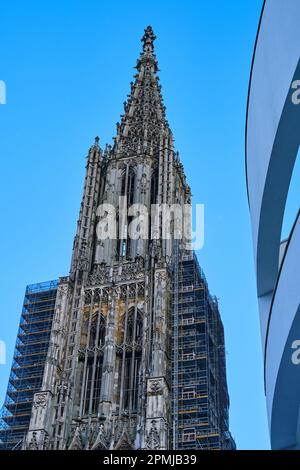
x: 148, y: 39
x: 144, y: 118
x: 97, y: 141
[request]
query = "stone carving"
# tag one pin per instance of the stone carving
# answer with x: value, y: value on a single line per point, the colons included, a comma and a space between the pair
x: 40, y: 400
x: 130, y: 271
x: 101, y: 440
x: 38, y: 441
x: 83, y: 263
x: 76, y: 443
x: 33, y: 445
x: 153, y: 439
x: 124, y: 442
x: 155, y: 387
x: 143, y: 184
x: 134, y: 270
x: 94, y: 436
x: 62, y: 291
x: 124, y: 433
x: 99, y: 275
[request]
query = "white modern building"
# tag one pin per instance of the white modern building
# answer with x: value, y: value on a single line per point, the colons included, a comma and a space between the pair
x: 272, y: 142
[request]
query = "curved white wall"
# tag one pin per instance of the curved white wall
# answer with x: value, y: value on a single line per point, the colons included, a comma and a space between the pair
x: 272, y: 142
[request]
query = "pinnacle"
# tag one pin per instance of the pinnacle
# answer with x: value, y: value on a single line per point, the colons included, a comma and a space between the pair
x: 143, y: 121
x: 147, y: 55
x: 148, y: 39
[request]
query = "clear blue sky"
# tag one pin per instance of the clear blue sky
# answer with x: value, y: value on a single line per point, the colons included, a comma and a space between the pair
x: 67, y: 66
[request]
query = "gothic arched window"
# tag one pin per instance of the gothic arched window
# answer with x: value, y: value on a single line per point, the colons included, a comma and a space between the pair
x: 130, y: 186
x: 153, y: 199
x: 127, y: 184
x: 93, y: 368
x: 154, y: 186
x: 127, y: 189
x: 97, y: 331
x: 134, y: 326
x: 123, y: 184
x: 133, y: 329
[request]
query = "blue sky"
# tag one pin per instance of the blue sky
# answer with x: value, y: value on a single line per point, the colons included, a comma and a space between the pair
x: 67, y: 67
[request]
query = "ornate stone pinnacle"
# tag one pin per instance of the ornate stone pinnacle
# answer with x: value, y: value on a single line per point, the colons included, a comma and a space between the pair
x: 148, y: 38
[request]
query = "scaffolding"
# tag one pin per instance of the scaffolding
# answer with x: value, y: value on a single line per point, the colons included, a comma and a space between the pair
x: 28, y: 362
x: 175, y: 337
x: 199, y: 387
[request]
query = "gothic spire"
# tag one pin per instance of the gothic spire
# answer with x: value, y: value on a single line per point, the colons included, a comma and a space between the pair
x: 143, y: 123
x: 147, y: 54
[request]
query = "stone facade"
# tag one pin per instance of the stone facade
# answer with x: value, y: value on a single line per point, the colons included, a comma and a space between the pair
x: 107, y: 375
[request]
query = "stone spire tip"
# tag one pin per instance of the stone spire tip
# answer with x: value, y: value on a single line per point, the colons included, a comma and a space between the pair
x: 148, y: 38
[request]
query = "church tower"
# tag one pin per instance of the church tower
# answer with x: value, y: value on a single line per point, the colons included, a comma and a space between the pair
x: 107, y: 376
x: 109, y: 379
